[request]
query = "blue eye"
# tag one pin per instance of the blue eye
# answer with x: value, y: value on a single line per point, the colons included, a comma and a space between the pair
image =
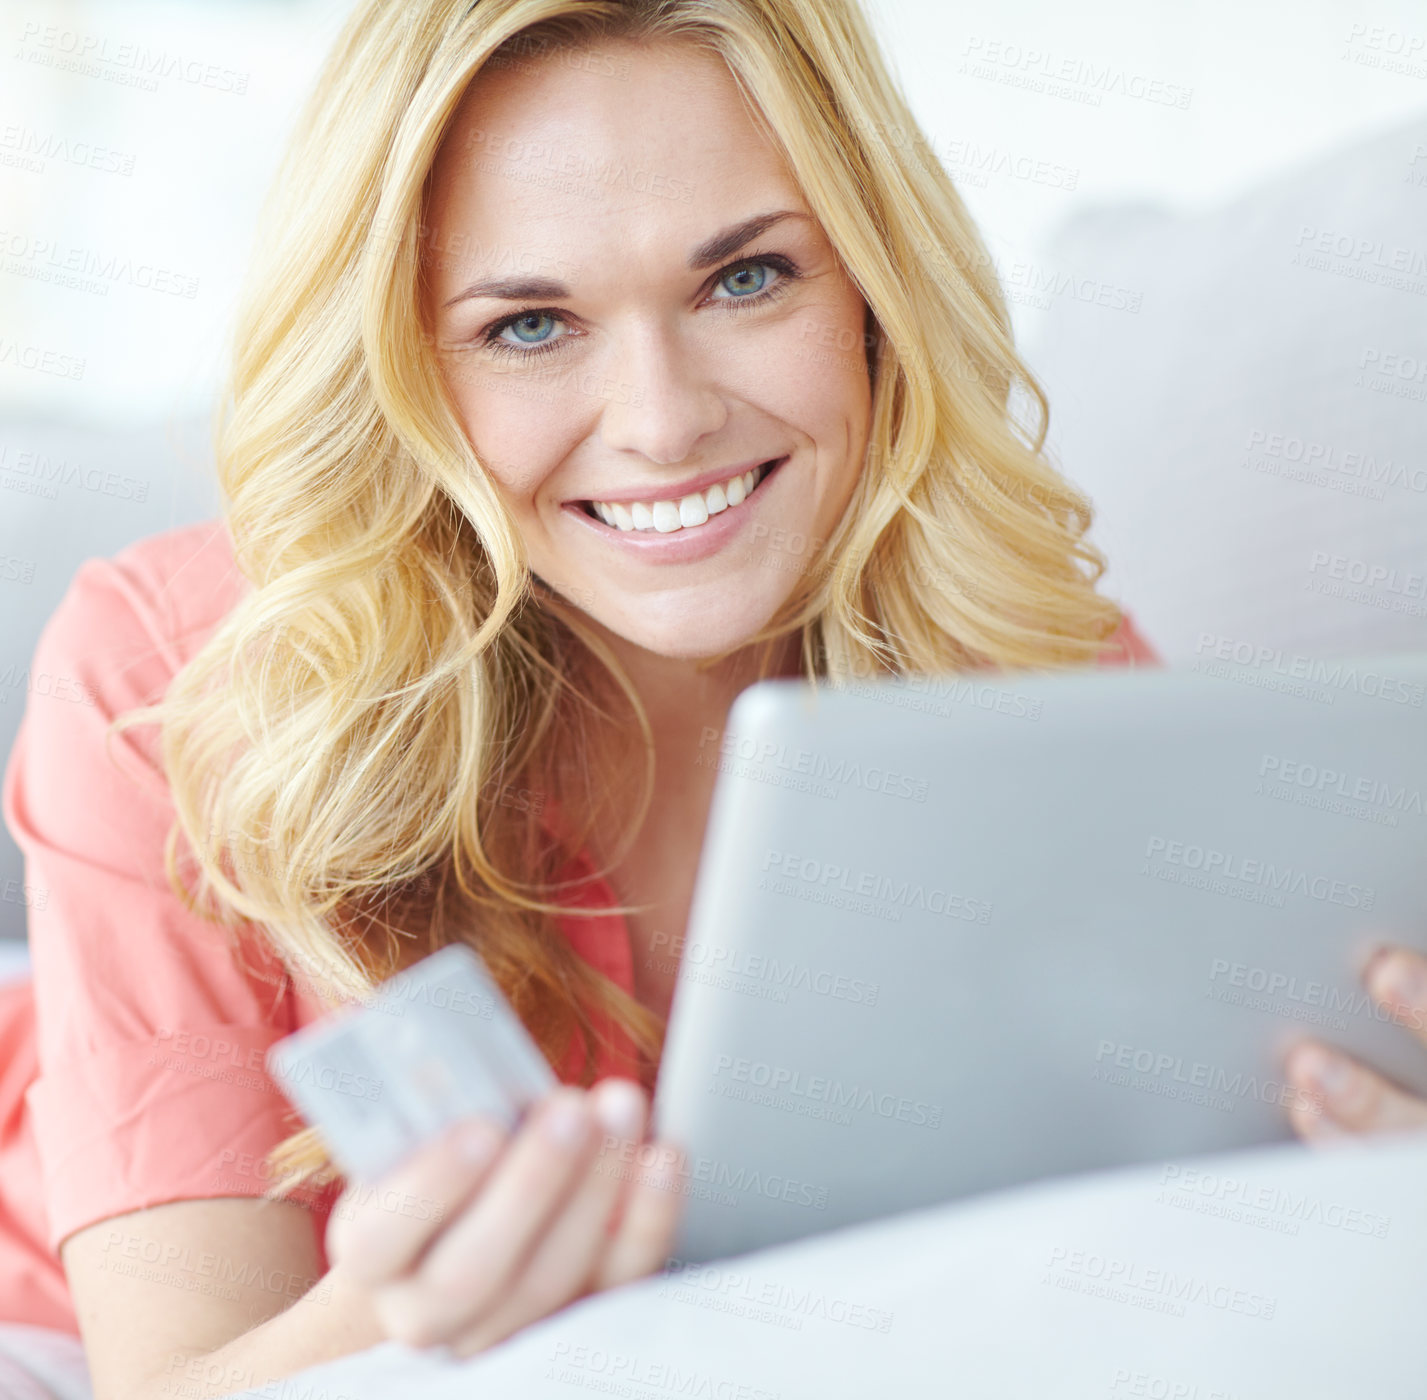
x: 748, y: 283
x: 746, y: 279
x: 532, y: 334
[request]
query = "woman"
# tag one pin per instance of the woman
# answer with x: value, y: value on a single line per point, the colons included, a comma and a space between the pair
x: 566, y: 402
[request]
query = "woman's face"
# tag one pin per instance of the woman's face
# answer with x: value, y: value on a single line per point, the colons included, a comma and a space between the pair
x: 635, y: 309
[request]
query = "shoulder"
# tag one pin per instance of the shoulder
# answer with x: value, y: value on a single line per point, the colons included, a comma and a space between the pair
x: 1127, y: 646
x: 124, y: 627
x: 171, y: 589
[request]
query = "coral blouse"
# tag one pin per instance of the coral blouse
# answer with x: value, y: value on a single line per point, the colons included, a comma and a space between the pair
x: 131, y: 1060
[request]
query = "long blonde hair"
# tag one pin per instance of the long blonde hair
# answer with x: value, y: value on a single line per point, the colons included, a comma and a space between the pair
x: 342, y: 749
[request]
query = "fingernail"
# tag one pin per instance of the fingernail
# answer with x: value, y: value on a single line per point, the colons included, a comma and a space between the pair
x: 1401, y: 977
x: 565, y: 1120
x: 619, y: 1106
x: 1333, y: 1074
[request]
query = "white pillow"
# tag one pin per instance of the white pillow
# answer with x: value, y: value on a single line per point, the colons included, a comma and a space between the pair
x: 1244, y: 395
x: 1277, y: 1272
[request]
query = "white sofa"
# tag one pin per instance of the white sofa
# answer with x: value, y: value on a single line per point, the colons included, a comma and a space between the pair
x: 68, y: 494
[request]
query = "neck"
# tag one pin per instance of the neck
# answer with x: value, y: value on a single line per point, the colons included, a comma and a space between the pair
x: 685, y: 698
x: 687, y: 704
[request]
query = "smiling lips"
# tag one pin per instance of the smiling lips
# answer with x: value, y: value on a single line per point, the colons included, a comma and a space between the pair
x: 664, y: 517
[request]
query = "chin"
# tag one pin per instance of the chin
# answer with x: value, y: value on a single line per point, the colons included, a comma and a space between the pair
x: 691, y: 633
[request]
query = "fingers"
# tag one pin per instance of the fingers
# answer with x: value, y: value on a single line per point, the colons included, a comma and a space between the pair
x: 1355, y: 1099
x: 1351, y: 1099
x: 470, y: 1266
x: 559, y: 1266
x: 506, y: 1228
x: 1397, y: 977
x: 645, y: 1233
x: 378, y: 1231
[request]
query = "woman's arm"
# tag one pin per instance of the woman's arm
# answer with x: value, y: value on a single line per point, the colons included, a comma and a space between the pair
x: 476, y: 1234
x: 207, y: 1297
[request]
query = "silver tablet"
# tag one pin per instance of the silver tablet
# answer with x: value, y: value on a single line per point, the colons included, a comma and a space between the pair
x: 958, y: 933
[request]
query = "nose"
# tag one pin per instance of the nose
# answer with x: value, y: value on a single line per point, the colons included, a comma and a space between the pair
x: 668, y: 399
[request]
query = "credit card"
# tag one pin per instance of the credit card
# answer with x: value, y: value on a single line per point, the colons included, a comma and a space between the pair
x: 435, y: 1043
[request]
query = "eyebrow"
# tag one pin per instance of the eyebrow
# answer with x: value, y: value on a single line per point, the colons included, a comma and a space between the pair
x: 709, y: 253
x: 723, y: 245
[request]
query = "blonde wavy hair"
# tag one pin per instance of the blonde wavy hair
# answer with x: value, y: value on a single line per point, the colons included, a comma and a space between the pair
x: 343, y: 749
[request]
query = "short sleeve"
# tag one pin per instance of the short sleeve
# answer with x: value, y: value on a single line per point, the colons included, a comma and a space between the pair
x: 151, y: 1033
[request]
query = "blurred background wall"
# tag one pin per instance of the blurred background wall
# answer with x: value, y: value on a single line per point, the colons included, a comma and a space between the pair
x: 100, y: 162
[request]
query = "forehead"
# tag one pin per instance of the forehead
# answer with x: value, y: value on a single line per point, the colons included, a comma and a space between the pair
x: 637, y: 149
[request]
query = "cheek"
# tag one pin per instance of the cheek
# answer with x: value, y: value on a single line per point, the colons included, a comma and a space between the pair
x: 515, y: 426
x: 835, y: 410
x: 815, y: 377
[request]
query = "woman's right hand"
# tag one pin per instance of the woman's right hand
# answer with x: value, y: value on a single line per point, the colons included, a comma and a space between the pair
x: 517, y: 1225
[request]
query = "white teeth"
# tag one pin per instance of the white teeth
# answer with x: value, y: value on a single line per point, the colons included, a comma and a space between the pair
x: 689, y: 512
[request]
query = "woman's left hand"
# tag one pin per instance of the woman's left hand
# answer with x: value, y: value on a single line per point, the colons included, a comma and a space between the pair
x: 1356, y: 1099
